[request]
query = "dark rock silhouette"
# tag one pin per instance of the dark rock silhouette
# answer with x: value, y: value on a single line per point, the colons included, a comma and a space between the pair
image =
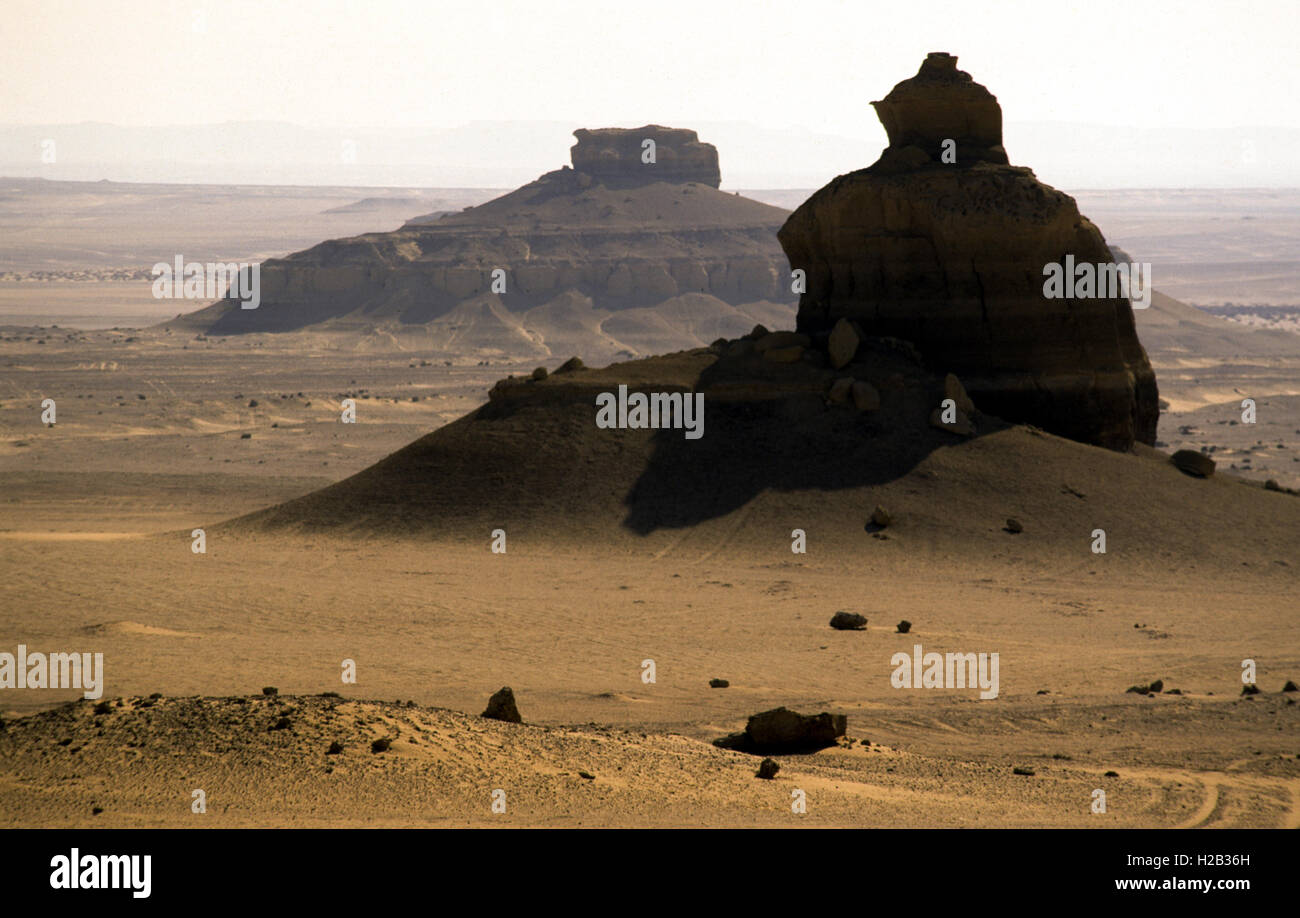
x: 950, y: 256
x: 501, y: 706
x: 784, y: 731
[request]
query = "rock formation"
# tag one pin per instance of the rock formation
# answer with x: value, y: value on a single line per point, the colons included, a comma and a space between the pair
x: 616, y: 156
x: 614, y: 233
x: 950, y: 255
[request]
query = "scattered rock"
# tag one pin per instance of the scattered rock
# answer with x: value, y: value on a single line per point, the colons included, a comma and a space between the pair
x: 953, y: 389
x: 1153, y: 689
x: 501, y: 706
x: 281, y: 724
x: 1111, y: 774
x: 882, y: 517
x: 336, y: 748
x: 848, y: 621
x: 96, y: 810
x: 1272, y: 485
x: 246, y: 436
x: 767, y: 769
x: 843, y: 344
x: 586, y: 776
x: 105, y: 707
x: 840, y: 390
x: 1013, y: 526
x: 1173, y: 691
x: 1193, y: 463
x: 252, y: 403
x: 1022, y: 770
x: 382, y: 744
x: 904, y: 626
x: 719, y: 683
x: 270, y: 690
x: 1250, y: 689
x: 783, y: 731
x: 1290, y: 687
x: 865, y: 396
x: 961, y: 425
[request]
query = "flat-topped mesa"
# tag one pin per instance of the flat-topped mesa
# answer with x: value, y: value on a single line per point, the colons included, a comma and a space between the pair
x: 951, y: 251
x: 939, y: 104
x: 618, y: 156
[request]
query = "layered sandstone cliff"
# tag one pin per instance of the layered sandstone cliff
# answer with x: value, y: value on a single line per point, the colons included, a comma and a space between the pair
x: 614, y: 232
x: 951, y: 255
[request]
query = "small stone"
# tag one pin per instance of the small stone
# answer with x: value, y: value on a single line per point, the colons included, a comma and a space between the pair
x: 1290, y: 687
x: 501, y: 706
x: 335, y: 748
x: 270, y: 690
x: 882, y: 517
x: 1251, y: 689
x: 767, y: 769
x: 904, y: 626
x: 382, y: 744
x: 843, y: 344
x: 865, y: 396
x: 1111, y: 774
x: 586, y: 776
x: 848, y: 621
x: 840, y: 390
x: 1013, y: 526
x: 719, y: 683
x: 1022, y: 770
x: 1272, y: 485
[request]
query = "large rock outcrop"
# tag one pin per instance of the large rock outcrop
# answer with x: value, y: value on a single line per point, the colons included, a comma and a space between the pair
x: 951, y: 255
x: 592, y: 260
x: 618, y: 155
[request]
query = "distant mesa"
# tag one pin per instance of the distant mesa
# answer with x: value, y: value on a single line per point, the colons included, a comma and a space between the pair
x: 950, y: 255
x: 615, y: 156
x: 625, y: 253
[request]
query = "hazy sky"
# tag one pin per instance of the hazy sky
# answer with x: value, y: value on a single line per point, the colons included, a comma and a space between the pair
x: 627, y: 62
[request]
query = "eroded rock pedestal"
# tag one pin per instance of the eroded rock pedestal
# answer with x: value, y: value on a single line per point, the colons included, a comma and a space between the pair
x: 950, y: 256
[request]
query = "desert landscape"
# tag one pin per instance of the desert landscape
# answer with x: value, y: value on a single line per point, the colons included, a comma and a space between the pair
x: 314, y: 540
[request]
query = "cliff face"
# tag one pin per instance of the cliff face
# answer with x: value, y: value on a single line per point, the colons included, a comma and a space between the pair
x: 950, y: 255
x: 614, y: 231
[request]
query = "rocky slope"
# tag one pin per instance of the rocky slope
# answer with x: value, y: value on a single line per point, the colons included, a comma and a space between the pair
x: 579, y: 245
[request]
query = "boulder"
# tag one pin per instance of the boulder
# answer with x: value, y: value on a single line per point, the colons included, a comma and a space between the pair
x: 767, y: 769
x: 783, y: 354
x: 840, y: 390
x: 501, y: 706
x: 951, y: 257
x: 843, y: 344
x: 953, y: 389
x: 848, y: 621
x: 780, y: 341
x: 1193, y: 463
x: 865, y: 396
x: 781, y: 731
x: 961, y: 425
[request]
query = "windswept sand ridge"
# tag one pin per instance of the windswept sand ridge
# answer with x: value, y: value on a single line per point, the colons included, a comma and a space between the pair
x: 263, y: 761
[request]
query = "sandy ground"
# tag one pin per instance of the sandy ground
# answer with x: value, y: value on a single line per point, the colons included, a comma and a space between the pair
x: 95, y: 536
x: 95, y: 556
